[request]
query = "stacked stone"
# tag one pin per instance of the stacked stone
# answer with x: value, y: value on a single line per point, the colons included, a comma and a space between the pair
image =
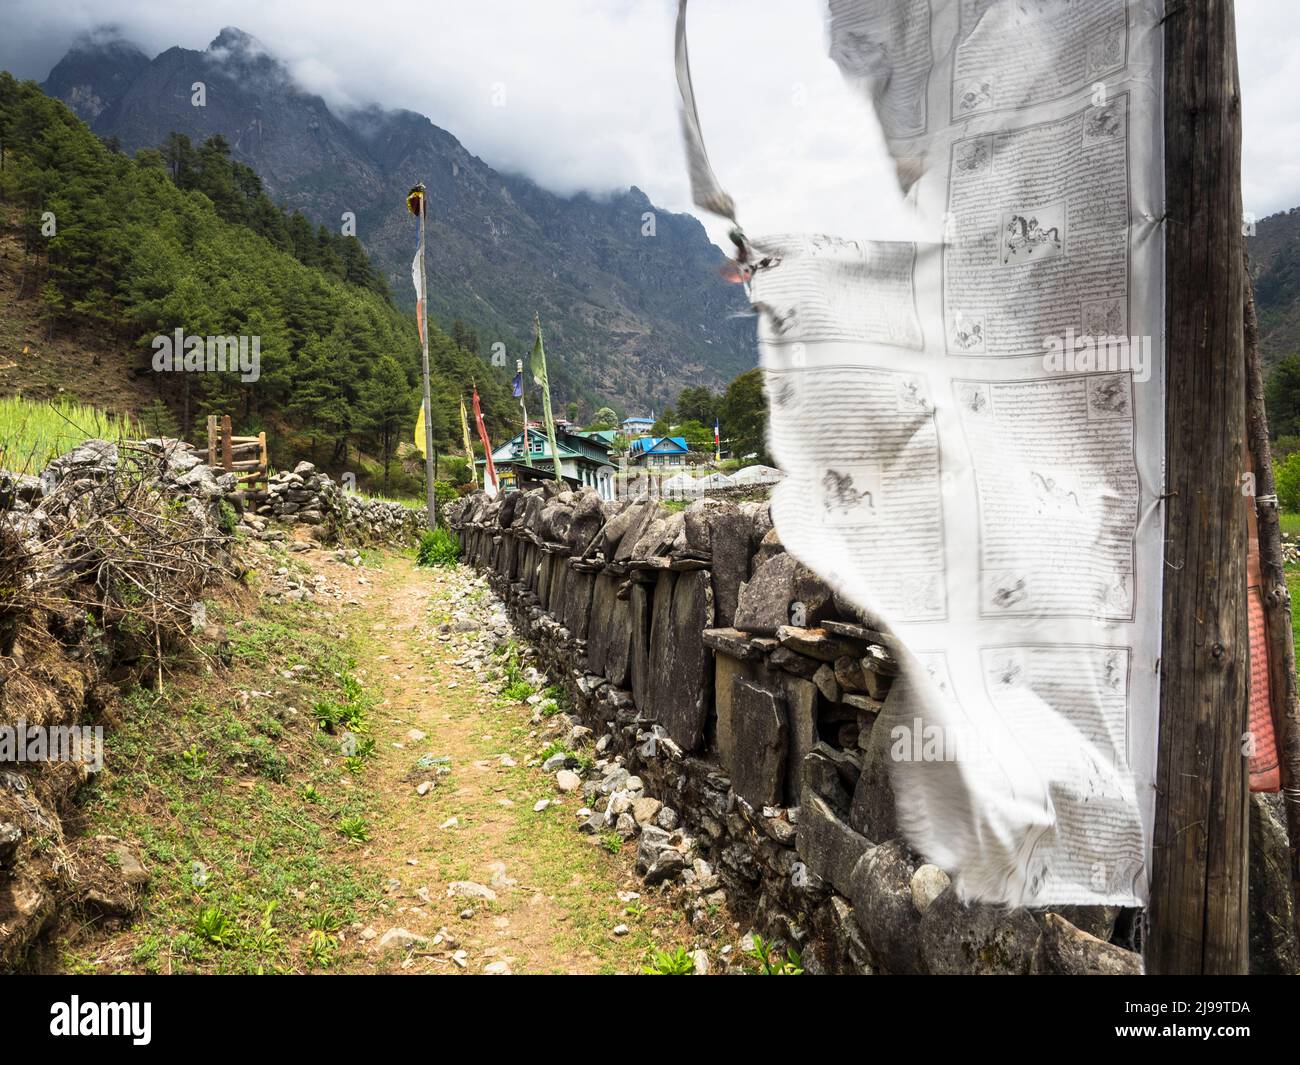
x: 381, y: 521
x: 307, y: 496
x: 735, y: 688
x: 172, y: 464
x: 301, y: 496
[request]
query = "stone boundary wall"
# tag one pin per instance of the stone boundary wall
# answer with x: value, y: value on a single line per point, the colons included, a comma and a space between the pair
x: 306, y: 496
x: 303, y: 496
x: 747, y: 696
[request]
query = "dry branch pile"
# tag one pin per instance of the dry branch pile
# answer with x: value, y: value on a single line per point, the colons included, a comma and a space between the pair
x: 110, y: 537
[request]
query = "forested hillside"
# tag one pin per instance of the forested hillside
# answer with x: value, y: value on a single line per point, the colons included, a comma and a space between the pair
x: 121, y: 250
x: 1275, y: 269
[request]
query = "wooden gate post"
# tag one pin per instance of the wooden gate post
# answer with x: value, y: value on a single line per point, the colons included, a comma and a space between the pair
x: 227, y: 445
x: 1198, y: 891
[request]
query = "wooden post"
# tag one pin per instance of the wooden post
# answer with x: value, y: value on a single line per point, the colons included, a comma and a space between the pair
x: 1277, y: 600
x: 430, y: 477
x: 212, y: 439
x: 1198, y: 892
x: 264, y: 458
x: 227, y: 456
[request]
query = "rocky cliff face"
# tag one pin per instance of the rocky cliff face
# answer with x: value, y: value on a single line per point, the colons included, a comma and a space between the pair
x: 630, y: 318
x: 94, y: 74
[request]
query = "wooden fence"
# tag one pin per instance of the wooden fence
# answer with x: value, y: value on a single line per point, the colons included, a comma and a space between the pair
x: 244, y: 456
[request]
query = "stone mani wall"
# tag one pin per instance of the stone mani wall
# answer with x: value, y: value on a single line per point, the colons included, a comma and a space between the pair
x: 676, y: 634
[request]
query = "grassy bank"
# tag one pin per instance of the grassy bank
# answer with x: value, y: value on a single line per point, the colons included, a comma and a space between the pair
x: 240, y: 791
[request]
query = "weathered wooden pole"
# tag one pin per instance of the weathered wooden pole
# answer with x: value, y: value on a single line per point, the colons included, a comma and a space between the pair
x: 227, y: 445
x: 430, y: 474
x: 1276, y: 598
x: 1198, y: 893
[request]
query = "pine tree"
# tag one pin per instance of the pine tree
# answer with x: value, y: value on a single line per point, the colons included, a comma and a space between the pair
x: 388, y: 408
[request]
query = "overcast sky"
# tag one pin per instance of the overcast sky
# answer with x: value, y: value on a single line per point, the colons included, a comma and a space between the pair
x: 590, y: 99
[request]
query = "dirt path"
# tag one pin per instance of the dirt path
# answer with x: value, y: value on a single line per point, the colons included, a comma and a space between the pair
x: 490, y: 883
x: 440, y: 847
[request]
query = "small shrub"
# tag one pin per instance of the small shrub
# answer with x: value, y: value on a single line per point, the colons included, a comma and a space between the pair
x: 214, y: 926
x: 670, y: 963
x: 266, y: 939
x: 354, y: 828
x: 770, y: 964
x: 264, y: 758
x: 320, y: 949
x: 518, y: 691
x: 437, y: 548
x: 1287, y: 476
x: 227, y: 518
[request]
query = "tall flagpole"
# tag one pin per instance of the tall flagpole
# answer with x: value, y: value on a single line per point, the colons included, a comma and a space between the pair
x: 430, y: 492
x: 543, y: 379
x: 519, y: 377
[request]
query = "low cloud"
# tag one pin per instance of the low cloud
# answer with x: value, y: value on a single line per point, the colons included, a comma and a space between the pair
x: 590, y: 101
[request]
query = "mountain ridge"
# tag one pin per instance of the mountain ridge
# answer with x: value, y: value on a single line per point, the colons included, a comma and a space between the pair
x: 1274, y: 250
x: 629, y: 319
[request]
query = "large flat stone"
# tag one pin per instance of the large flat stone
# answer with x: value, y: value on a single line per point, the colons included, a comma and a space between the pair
x: 628, y: 527
x: 656, y: 536
x: 560, y: 574
x: 506, y: 557
x: 530, y: 572
x: 813, y: 643
x: 726, y: 670
x: 627, y: 517
x: 828, y: 846
x: 680, y: 664
x: 618, y: 655
x: 853, y: 631
x: 1065, y: 950
x: 603, y: 597
x: 884, y: 907
x: 735, y: 643
x: 729, y: 530
x: 977, y: 940
x: 759, y: 744
x: 641, y: 603
x: 801, y: 719
x: 545, y: 577
x: 763, y: 601
x: 577, y: 602
x: 587, y: 519
x: 874, y: 812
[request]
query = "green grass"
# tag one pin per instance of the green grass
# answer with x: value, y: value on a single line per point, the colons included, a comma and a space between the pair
x: 32, y: 433
x: 1290, y: 523
x: 247, y: 816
